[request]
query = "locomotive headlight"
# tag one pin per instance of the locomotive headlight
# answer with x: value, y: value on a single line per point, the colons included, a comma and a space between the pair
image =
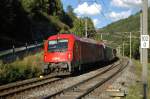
x: 69, y: 56
x: 45, y: 57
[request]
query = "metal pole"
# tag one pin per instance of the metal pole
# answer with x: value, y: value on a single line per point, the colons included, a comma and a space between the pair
x: 36, y: 44
x: 119, y: 51
x: 130, y: 47
x: 144, y: 50
x: 101, y: 36
x: 36, y: 48
x: 26, y: 45
x: 86, y: 27
x: 141, y: 30
x: 13, y: 52
x: 123, y: 50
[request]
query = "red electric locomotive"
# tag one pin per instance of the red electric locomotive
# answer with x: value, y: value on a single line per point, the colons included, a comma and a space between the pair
x: 67, y: 52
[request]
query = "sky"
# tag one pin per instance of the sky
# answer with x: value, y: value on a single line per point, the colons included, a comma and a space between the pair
x: 104, y: 12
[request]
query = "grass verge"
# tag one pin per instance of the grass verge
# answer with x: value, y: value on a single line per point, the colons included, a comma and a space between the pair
x: 136, y: 90
x: 26, y: 68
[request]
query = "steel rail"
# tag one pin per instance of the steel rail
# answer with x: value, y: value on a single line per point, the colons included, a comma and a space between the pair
x: 77, y: 84
x: 24, y: 82
x: 21, y: 86
x: 101, y: 82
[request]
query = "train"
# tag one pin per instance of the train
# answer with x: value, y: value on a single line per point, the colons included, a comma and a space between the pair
x: 70, y: 53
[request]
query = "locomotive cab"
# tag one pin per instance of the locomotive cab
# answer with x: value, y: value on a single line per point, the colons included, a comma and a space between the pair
x: 57, y: 54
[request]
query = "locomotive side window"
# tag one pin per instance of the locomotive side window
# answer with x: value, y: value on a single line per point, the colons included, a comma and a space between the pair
x: 60, y: 45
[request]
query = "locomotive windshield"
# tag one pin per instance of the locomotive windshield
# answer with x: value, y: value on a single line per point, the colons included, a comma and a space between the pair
x: 59, y: 45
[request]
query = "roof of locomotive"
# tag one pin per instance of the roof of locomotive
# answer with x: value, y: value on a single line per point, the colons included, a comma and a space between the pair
x: 59, y: 36
x: 89, y: 40
x: 72, y: 36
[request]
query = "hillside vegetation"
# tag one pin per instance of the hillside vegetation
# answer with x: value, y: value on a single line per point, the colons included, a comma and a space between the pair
x: 29, y: 67
x: 34, y: 20
x: 136, y: 89
x: 117, y: 36
x: 126, y: 25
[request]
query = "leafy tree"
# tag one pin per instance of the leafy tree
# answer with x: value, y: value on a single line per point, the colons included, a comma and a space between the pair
x: 70, y: 12
x: 78, y: 28
x: 36, y: 20
x: 55, y: 7
x: 90, y: 28
x: 69, y: 9
x: 35, y: 5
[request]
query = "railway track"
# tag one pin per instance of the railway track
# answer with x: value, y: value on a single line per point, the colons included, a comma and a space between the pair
x: 84, y: 87
x: 21, y: 86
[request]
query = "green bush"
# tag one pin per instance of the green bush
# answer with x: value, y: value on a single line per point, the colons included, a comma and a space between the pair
x: 27, y: 68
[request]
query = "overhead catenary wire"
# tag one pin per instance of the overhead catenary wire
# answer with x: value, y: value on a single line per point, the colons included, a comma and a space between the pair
x: 94, y: 1
x: 105, y: 5
x: 102, y: 13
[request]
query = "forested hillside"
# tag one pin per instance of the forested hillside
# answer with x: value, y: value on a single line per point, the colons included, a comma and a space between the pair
x: 34, y: 20
x: 117, y: 36
x: 126, y: 25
